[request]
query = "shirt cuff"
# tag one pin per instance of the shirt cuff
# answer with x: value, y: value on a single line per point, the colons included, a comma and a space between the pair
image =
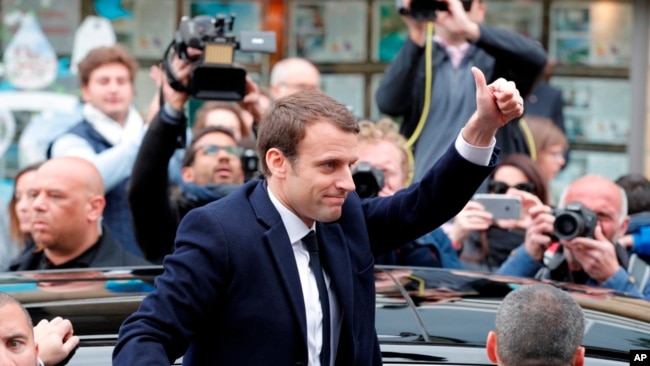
x: 171, y: 115
x: 479, y: 155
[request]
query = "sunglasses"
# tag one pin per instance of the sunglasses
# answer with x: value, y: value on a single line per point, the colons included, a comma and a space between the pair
x: 212, y: 150
x: 495, y: 186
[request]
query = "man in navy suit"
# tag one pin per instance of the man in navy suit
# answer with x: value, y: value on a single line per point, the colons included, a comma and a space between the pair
x: 240, y: 289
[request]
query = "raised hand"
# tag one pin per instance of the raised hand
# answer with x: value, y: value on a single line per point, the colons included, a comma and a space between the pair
x: 496, y: 104
x: 55, y: 340
x: 596, y: 256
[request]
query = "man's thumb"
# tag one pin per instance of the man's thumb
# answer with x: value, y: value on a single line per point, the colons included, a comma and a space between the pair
x: 479, y: 78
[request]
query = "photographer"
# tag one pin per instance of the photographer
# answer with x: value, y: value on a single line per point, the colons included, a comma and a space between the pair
x: 383, y: 168
x: 211, y: 169
x: 460, y: 42
x: 486, y: 243
x: 592, y: 220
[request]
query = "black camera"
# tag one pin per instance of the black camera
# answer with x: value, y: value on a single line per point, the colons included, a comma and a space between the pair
x: 250, y: 164
x: 368, y: 180
x: 574, y: 221
x: 214, y: 76
x: 426, y: 9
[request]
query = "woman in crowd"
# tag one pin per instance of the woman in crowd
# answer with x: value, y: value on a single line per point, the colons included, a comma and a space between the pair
x: 20, y: 215
x: 551, y: 146
x: 486, y: 243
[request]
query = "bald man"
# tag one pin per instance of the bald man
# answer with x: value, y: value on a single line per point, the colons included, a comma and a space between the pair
x: 18, y: 346
x: 67, y: 205
x: 292, y: 75
x: 597, y: 259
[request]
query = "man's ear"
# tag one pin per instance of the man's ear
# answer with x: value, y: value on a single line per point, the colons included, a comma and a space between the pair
x: 579, y: 359
x: 97, y: 204
x: 275, y: 89
x: 84, y: 93
x: 276, y: 162
x: 187, y: 174
x: 491, y: 346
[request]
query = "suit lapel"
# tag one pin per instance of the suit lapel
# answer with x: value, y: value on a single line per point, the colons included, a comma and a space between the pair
x: 279, y: 246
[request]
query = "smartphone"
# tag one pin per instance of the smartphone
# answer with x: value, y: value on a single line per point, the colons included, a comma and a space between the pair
x: 501, y: 206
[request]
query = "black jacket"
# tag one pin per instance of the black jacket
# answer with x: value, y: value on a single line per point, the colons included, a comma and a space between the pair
x: 502, y: 54
x: 157, y: 206
x: 106, y: 252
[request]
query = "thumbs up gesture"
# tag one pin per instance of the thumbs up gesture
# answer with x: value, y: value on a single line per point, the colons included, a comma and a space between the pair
x: 496, y: 104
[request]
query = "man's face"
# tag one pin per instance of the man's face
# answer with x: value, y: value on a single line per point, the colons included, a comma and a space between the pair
x: 386, y: 156
x: 302, y: 76
x: 604, y: 199
x: 224, y: 118
x: 315, y: 186
x: 18, y: 347
x: 213, y: 164
x: 60, y: 206
x: 110, y: 90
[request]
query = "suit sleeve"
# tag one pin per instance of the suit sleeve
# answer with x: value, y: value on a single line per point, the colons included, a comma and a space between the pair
x: 414, y: 211
x: 185, y: 295
x: 154, y: 222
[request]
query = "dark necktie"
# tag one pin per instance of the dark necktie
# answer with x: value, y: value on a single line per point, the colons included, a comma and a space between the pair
x: 314, y: 263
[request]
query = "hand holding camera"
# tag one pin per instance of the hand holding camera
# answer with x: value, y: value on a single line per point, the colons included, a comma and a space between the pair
x: 213, y: 75
x: 538, y: 235
x: 576, y: 228
x: 585, y: 244
x: 449, y: 14
x: 182, y: 70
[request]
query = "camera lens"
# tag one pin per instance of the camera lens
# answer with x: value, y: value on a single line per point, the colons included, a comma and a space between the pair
x: 568, y: 225
x: 368, y: 180
x: 365, y: 185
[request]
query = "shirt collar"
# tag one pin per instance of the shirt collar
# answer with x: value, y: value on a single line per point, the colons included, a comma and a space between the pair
x: 84, y: 260
x: 296, y: 229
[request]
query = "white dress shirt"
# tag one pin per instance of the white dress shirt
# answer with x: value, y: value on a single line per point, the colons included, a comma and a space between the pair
x: 296, y: 229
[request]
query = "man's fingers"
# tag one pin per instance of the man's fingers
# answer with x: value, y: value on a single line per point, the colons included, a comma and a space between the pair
x: 70, y: 344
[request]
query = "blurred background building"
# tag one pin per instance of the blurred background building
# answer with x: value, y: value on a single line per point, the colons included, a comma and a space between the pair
x: 599, y: 49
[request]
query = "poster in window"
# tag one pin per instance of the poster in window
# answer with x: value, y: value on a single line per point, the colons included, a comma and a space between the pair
x: 57, y: 19
x: 524, y: 17
x: 388, y: 31
x: 583, y: 162
x: 347, y: 89
x: 155, y: 26
x: 329, y: 31
x: 594, y: 34
x: 587, y: 118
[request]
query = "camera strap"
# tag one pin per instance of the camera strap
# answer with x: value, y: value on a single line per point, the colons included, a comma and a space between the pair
x: 553, y: 256
x: 171, y: 77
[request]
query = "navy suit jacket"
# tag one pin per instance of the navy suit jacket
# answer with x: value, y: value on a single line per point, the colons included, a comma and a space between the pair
x: 231, y: 295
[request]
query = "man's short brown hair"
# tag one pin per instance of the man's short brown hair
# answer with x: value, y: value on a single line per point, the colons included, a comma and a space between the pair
x: 101, y: 56
x: 285, y: 125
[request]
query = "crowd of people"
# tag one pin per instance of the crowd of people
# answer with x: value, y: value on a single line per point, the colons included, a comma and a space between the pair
x: 118, y: 189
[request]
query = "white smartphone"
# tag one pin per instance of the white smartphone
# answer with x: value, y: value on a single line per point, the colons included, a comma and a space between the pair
x: 501, y: 206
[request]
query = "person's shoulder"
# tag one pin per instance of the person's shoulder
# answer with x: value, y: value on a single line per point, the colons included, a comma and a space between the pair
x: 234, y: 201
